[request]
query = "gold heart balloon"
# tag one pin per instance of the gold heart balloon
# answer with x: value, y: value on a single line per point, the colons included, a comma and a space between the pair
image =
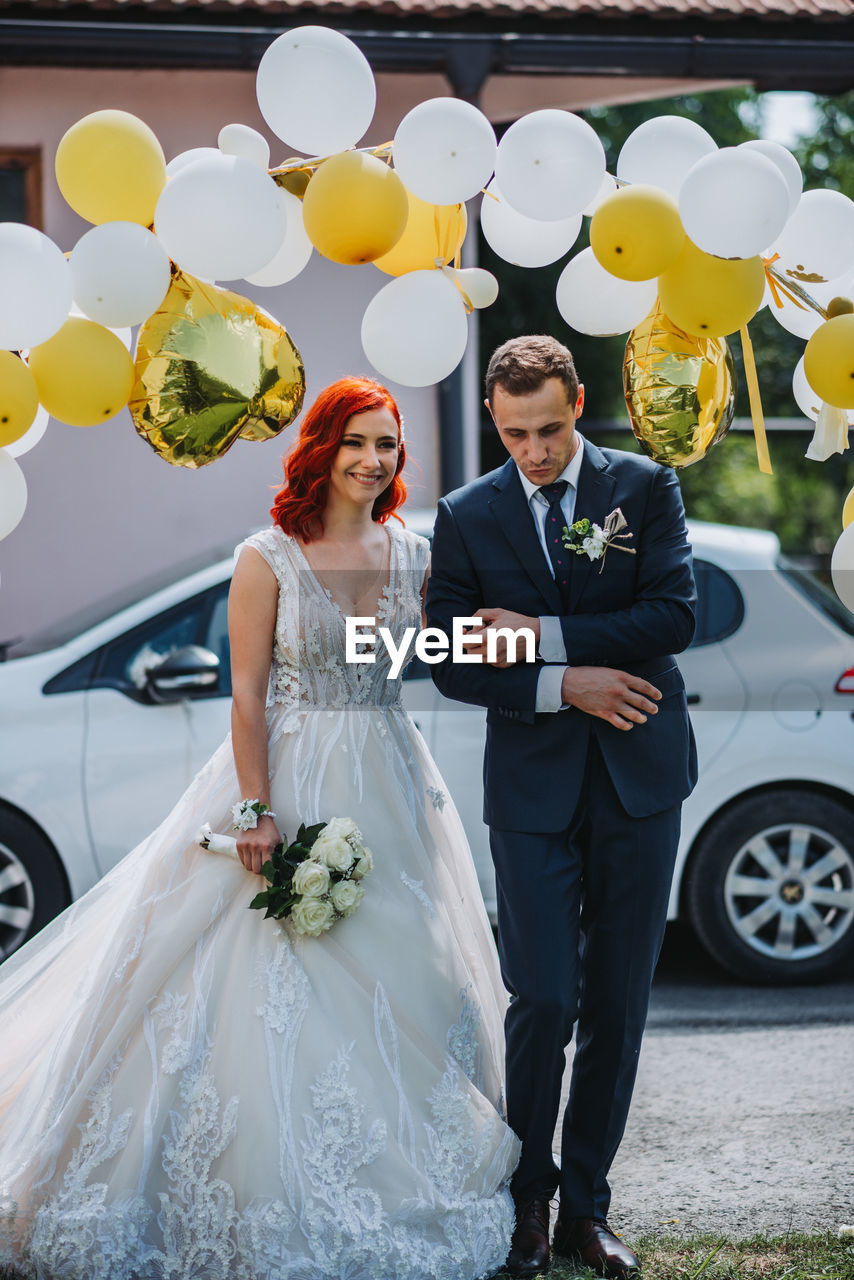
x: 680, y: 390
x: 211, y: 367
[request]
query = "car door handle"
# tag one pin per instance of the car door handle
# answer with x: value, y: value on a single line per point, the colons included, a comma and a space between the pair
x: 693, y: 699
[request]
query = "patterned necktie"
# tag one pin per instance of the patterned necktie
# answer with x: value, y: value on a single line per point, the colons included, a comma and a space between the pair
x: 555, y: 522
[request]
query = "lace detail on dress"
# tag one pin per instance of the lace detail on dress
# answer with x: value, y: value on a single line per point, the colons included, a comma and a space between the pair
x: 417, y: 888
x: 77, y: 1232
x: 438, y: 797
x: 463, y: 1039
x: 198, y: 1216
x: 309, y: 669
x: 170, y: 1014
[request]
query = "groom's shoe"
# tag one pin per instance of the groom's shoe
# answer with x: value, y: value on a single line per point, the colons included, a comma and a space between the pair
x: 529, y: 1248
x: 594, y: 1243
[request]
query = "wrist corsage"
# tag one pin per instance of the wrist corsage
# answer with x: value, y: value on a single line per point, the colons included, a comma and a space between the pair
x: 247, y: 812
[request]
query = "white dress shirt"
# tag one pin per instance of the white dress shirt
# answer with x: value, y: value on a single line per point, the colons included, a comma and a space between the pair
x: 551, y: 647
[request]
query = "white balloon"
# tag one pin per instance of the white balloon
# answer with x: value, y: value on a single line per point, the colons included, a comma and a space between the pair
x: 662, y: 150
x: 35, y: 287
x: 524, y: 241
x: 121, y: 274
x: 607, y: 188
x: 733, y: 203
x: 184, y: 158
x: 220, y: 218
x: 842, y: 567
x: 785, y: 162
x: 818, y: 239
x: 414, y: 330
x: 593, y: 301
x: 799, y: 318
x: 805, y: 398
x: 444, y: 150
x: 295, y: 251
x: 240, y: 140
x: 31, y: 436
x: 316, y: 90
x: 13, y: 494
x: 550, y: 164
x: 479, y: 286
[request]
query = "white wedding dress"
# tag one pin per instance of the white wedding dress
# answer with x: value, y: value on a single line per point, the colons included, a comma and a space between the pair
x: 190, y: 1090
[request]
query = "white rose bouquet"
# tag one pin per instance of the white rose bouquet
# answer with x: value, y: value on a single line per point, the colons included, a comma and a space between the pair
x: 314, y: 881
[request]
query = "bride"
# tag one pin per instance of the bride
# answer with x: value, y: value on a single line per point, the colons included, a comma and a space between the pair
x: 189, y: 1089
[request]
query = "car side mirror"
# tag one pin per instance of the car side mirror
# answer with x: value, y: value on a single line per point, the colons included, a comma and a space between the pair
x: 183, y: 674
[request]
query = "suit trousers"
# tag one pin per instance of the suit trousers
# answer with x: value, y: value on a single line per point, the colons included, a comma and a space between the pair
x: 581, y: 916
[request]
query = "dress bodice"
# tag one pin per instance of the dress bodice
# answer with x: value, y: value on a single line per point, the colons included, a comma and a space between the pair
x: 309, y: 667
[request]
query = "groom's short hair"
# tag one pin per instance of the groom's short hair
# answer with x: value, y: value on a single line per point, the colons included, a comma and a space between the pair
x: 522, y: 365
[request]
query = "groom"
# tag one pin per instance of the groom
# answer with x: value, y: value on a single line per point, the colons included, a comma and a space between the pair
x: 589, y: 754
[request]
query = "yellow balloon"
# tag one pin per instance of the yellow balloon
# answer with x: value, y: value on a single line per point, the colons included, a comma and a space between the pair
x: 84, y: 373
x: 829, y: 361
x: 212, y: 368
x: 848, y: 510
x: 110, y: 167
x: 680, y: 391
x: 711, y: 297
x: 637, y: 233
x: 354, y: 208
x: 433, y: 232
x: 19, y: 398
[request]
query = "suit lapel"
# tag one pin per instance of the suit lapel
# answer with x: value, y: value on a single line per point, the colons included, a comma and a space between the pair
x: 512, y: 513
x: 593, y: 500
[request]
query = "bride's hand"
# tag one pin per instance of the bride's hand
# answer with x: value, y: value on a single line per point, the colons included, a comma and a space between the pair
x: 255, y: 847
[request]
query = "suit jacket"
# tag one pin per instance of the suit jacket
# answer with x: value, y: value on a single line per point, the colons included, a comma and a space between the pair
x: 634, y: 615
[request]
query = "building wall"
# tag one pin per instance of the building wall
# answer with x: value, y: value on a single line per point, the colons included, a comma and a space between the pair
x: 103, y: 507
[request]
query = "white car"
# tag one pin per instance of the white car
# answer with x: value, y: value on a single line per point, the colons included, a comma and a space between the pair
x: 106, y: 719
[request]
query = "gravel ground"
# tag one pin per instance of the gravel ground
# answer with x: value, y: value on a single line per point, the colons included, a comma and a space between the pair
x: 739, y: 1131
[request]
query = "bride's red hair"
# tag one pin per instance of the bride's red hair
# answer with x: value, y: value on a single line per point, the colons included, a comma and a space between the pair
x: 298, y: 506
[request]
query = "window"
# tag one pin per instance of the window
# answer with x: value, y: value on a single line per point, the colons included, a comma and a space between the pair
x: 21, y: 185
x: 817, y: 594
x: 123, y: 663
x: 720, y: 605
x: 216, y: 637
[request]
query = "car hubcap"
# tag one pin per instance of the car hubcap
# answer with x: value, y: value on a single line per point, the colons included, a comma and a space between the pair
x: 789, y: 892
x: 17, y: 901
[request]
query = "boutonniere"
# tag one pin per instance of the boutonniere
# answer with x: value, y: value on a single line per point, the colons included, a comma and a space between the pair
x: 593, y: 540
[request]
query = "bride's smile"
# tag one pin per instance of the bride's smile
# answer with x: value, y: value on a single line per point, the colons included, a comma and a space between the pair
x: 367, y: 458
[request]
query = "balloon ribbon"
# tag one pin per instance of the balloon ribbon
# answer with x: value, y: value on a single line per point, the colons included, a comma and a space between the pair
x: 758, y: 417
x: 794, y: 292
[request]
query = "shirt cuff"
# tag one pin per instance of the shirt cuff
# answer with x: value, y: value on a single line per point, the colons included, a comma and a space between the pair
x: 548, y: 689
x: 551, y: 647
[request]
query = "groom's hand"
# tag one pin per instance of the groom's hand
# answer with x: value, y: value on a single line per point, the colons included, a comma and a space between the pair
x: 615, y: 696
x: 496, y: 619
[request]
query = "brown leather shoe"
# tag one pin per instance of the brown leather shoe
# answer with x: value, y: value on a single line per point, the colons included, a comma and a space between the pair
x: 593, y: 1241
x: 529, y: 1248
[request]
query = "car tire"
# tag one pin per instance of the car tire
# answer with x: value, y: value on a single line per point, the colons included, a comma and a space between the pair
x: 770, y: 887
x: 33, y: 885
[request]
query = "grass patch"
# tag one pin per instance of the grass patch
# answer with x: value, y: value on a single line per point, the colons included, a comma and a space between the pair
x: 714, y: 1257
x: 711, y: 1257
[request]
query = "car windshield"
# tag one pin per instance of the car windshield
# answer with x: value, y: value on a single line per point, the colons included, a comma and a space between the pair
x: 818, y: 594
x: 74, y: 624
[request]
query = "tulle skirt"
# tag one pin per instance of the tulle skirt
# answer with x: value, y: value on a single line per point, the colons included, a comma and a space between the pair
x: 187, y: 1089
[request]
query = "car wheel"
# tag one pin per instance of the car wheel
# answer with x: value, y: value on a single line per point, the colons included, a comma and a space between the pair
x: 33, y: 887
x: 770, y: 888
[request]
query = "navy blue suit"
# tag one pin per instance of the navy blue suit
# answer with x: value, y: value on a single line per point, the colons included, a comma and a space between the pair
x: 583, y: 817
